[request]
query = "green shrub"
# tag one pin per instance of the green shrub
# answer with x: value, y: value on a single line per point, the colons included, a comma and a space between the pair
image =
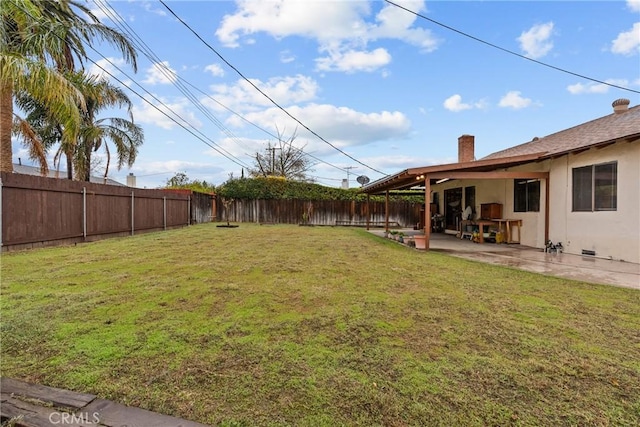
x: 279, y: 188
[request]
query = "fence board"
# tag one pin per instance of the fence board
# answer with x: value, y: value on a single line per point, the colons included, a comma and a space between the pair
x: 38, y: 211
x: 326, y: 212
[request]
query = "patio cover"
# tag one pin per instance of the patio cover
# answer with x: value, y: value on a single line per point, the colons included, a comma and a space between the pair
x: 478, y: 169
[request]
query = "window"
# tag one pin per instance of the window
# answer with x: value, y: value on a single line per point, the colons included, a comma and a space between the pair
x: 526, y: 195
x: 595, y: 188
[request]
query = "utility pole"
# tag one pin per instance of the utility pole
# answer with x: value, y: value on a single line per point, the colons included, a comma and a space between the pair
x: 348, y: 168
x: 345, y: 183
x: 273, y: 158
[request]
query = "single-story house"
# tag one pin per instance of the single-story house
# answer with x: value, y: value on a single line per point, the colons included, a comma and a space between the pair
x: 579, y: 186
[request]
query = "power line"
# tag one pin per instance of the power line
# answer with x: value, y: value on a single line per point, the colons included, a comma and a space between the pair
x: 509, y: 51
x: 178, y: 82
x: 264, y: 94
x: 148, y: 52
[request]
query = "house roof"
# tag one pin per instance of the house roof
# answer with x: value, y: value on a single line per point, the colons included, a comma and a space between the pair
x: 622, y: 126
x: 32, y: 170
x: 605, y: 130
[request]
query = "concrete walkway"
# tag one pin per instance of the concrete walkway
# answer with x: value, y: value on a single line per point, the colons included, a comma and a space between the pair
x: 568, y: 266
x: 33, y: 405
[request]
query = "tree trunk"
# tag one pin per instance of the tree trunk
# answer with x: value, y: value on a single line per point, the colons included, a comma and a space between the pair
x: 69, y: 165
x: 87, y: 159
x: 6, y: 119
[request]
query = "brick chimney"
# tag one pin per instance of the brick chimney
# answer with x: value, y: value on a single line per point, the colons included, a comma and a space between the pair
x: 620, y: 105
x: 466, y: 149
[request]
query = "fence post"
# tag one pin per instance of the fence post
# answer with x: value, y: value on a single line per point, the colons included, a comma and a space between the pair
x: 132, y: 216
x: 0, y: 212
x: 164, y: 212
x: 84, y: 213
x: 189, y: 210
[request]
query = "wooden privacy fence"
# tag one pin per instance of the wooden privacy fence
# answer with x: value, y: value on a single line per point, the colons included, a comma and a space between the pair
x: 38, y: 211
x: 325, y: 212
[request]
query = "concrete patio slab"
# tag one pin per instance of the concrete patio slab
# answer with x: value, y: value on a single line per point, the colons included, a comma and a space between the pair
x: 568, y: 266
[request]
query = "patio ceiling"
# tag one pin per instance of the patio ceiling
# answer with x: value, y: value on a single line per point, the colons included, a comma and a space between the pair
x: 480, y: 169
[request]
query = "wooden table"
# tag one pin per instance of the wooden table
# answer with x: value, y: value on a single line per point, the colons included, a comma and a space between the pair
x: 508, y: 226
x: 481, y: 223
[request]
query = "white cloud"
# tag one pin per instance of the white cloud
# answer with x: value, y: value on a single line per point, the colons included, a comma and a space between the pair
x: 100, y: 14
x: 283, y: 90
x: 514, y: 100
x: 178, y: 110
x: 342, y: 126
x: 215, y: 69
x: 106, y: 67
x: 536, y: 42
x: 634, y: 5
x: 454, y: 103
x: 148, y: 6
x: 286, y: 56
x: 352, y: 61
x: 627, y: 43
x: 160, y: 73
x: 592, y: 87
x: 344, y: 28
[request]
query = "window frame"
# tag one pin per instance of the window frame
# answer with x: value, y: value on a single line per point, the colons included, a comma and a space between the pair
x: 588, y: 180
x: 522, y: 192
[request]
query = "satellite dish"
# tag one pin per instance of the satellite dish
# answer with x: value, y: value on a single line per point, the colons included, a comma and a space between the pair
x: 362, y: 180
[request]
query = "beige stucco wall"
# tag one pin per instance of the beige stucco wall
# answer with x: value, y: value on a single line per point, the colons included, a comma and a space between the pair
x: 611, y: 234
x: 501, y: 191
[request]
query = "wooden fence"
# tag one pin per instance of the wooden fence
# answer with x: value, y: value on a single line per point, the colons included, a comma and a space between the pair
x: 326, y: 212
x: 38, y: 211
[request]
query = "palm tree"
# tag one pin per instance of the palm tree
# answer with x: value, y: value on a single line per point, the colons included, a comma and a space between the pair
x: 96, y: 132
x: 39, y: 40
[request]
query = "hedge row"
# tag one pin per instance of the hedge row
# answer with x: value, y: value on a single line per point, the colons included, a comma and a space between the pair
x: 278, y: 188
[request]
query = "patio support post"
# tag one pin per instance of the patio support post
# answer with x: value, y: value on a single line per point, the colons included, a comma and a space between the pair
x: 427, y: 210
x: 386, y: 210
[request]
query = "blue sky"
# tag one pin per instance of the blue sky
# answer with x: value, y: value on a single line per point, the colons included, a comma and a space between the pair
x: 389, y: 88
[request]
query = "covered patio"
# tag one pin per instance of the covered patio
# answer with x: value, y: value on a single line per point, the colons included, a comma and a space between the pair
x: 568, y: 266
x: 424, y: 178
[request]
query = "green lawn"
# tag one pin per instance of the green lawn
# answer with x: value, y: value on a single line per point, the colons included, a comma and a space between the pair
x: 308, y: 326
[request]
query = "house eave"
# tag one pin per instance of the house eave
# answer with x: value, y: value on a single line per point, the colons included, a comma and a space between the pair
x: 415, y: 176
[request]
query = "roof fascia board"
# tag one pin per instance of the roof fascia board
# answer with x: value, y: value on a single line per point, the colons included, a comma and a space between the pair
x: 487, y: 175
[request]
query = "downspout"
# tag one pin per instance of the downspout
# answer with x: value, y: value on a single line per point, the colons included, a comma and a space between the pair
x: 546, y: 210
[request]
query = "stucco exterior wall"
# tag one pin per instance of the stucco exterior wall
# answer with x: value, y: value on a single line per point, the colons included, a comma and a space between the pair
x: 611, y: 234
x: 501, y: 191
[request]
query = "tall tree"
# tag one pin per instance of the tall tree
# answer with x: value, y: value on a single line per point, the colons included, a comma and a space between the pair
x: 97, y: 132
x: 39, y: 40
x: 282, y: 159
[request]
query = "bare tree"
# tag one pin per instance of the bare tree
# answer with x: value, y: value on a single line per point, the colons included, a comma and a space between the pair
x: 282, y: 159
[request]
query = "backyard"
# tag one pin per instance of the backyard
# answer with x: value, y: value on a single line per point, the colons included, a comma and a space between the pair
x: 307, y: 326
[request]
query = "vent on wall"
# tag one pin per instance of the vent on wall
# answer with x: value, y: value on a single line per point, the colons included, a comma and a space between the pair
x: 588, y: 252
